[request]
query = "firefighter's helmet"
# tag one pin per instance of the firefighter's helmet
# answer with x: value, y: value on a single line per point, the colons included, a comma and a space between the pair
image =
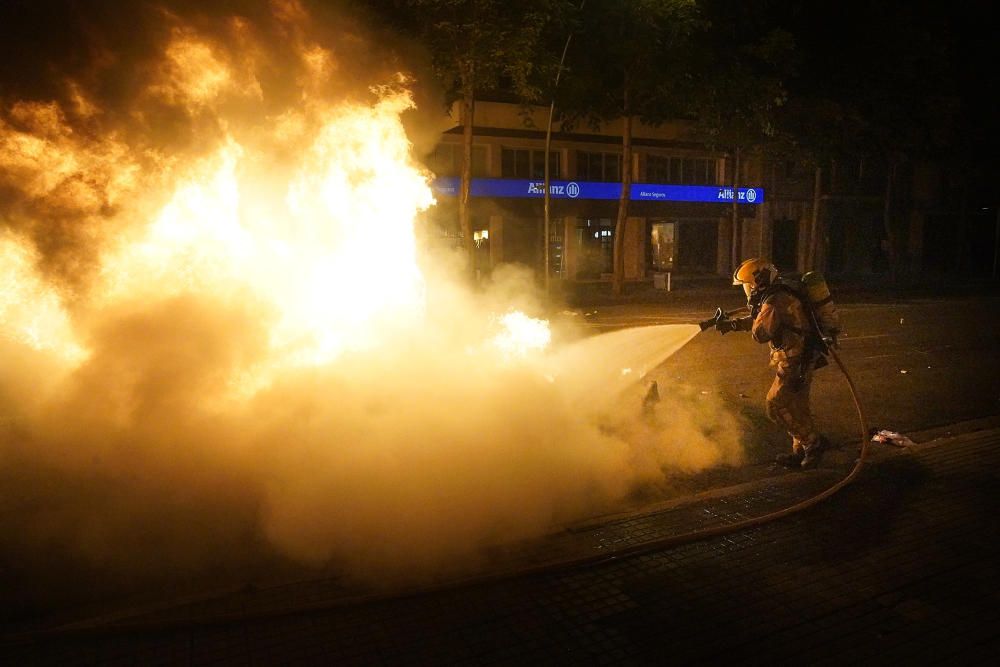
x: 754, y: 274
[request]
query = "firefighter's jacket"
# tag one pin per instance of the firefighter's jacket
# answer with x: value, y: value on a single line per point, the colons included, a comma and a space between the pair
x: 784, y: 323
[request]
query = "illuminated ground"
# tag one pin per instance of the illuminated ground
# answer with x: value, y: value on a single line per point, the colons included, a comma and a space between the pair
x: 903, y: 562
x: 901, y: 566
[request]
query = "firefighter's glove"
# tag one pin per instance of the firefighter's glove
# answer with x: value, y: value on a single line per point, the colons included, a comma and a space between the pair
x: 725, y: 326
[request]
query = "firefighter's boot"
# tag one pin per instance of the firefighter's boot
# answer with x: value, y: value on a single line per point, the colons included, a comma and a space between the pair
x: 813, y: 453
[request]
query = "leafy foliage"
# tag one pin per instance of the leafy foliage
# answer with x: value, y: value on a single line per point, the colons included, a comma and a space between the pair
x: 630, y: 59
x: 483, y: 46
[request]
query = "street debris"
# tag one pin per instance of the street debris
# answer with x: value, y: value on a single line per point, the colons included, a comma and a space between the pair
x: 903, y: 371
x: 891, y: 438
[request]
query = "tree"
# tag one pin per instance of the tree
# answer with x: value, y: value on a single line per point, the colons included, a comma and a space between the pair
x: 478, y: 47
x: 742, y: 66
x: 880, y: 83
x: 633, y: 67
x: 819, y: 132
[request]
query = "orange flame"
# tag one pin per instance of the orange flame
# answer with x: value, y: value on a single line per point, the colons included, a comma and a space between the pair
x: 310, y: 213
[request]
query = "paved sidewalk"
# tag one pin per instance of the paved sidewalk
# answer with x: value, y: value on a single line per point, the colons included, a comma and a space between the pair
x: 900, y: 566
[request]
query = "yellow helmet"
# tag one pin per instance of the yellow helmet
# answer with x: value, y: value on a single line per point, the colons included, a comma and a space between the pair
x: 754, y: 274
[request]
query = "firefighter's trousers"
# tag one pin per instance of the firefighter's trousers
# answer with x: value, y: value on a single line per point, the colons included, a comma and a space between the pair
x: 788, y: 406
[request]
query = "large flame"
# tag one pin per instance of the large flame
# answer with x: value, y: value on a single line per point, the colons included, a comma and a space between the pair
x: 328, y: 244
x: 310, y: 213
x: 31, y: 312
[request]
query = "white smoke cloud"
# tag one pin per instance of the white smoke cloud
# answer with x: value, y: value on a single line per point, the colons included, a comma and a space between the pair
x: 183, y: 441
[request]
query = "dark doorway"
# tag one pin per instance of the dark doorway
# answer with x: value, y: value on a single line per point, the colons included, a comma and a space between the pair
x: 697, y: 245
x: 981, y: 243
x: 940, y: 243
x: 785, y: 245
x: 521, y: 241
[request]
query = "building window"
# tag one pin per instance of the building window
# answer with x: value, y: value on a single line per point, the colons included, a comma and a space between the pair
x: 698, y: 171
x: 678, y: 170
x: 446, y: 160
x: 526, y: 163
x: 657, y: 169
x: 598, y: 166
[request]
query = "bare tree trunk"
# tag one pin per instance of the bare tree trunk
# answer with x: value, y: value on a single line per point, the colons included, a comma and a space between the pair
x: 618, y: 274
x: 737, y: 245
x: 548, y: 148
x: 546, y: 227
x: 814, y: 231
x: 464, y: 212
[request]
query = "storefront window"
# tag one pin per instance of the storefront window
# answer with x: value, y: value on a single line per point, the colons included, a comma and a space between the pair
x: 595, y: 247
x: 661, y: 245
x: 482, y: 263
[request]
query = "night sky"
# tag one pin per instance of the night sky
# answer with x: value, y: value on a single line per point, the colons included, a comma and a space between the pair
x: 895, y: 59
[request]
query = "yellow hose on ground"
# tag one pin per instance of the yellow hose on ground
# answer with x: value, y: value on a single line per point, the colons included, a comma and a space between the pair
x: 717, y: 531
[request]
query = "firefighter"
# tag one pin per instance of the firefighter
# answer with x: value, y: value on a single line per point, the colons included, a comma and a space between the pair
x: 778, y: 316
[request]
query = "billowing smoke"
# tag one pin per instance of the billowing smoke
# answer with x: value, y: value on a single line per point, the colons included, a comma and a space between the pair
x: 221, y: 341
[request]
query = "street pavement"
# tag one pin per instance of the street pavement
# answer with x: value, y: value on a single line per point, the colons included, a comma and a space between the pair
x: 901, y: 565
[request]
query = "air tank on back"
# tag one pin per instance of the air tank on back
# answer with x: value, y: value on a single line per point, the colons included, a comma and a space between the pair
x: 822, y: 303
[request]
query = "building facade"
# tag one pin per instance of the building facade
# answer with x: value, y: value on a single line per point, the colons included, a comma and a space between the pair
x: 509, y: 144
x: 681, y: 217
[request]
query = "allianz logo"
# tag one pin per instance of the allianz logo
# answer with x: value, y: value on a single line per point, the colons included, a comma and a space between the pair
x: 749, y: 195
x: 570, y: 190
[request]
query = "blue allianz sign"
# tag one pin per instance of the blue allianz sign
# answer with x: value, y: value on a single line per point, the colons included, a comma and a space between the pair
x: 521, y: 188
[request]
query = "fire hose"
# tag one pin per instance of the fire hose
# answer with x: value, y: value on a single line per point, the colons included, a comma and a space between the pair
x: 672, y: 541
x: 753, y: 522
x: 701, y: 534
